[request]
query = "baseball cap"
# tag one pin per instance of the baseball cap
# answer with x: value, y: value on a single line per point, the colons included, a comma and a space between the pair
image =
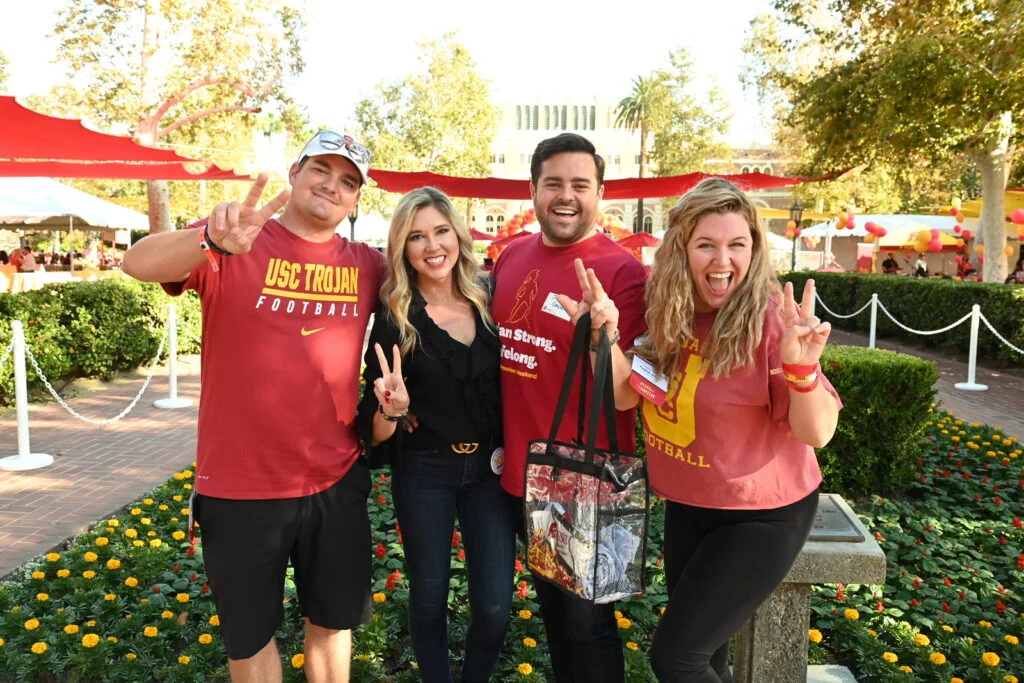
x: 329, y: 142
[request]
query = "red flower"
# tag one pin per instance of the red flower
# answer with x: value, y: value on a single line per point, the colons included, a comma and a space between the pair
x: 461, y: 555
x: 917, y: 583
x: 879, y: 537
x: 878, y: 606
x: 381, y: 551
x: 947, y: 581
x: 521, y: 590
x: 205, y: 589
x: 456, y: 539
x: 928, y: 527
x: 914, y: 602
x: 156, y: 589
x: 1020, y: 561
x: 176, y: 568
x: 997, y: 500
x: 1002, y: 540
x: 1017, y: 522
x: 920, y: 541
x: 393, y: 578
x: 945, y: 607
x: 1000, y: 607
x: 381, y: 500
x: 1002, y: 591
x: 191, y: 552
x: 193, y: 577
x: 519, y: 567
x: 984, y: 480
x: 962, y: 595
x: 383, y: 476
x: 376, y: 487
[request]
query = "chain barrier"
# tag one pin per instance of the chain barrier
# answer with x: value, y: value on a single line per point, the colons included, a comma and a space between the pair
x: 7, y: 353
x: 99, y: 423
x: 990, y: 328
x: 836, y: 315
x: 910, y: 329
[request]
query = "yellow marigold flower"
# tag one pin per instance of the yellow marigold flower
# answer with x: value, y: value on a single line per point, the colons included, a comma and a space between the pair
x: 990, y: 659
x: 110, y: 597
x: 632, y: 646
x: 187, y: 474
x: 89, y: 574
x: 187, y: 487
x: 16, y: 608
x: 136, y: 511
x: 937, y: 658
x: 151, y: 533
x: 618, y: 614
x: 138, y: 544
x: 178, y: 476
x: 113, y: 564
x: 111, y: 639
x: 184, y: 659
x: 150, y: 631
x: 1010, y: 678
x: 623, y: 623
x: 851, y: 614
x: 39, y: 648
x: 113, y: 522
x: 525, y: 669
x: 102, y: 541
x: 529, y: 642
x: 42, y: 597
x: 63, y: 573
x: 163, y: 507
x: 184, y: 512
x: 525, y: 614
x: 298, y: 660
x: 60, y: 610
x: 90, y: 623
x: 131, y: 533
x: 167, y: 614
x: 379, y: 597
x: 146, y: 520
x: 215, y: 620
x: 363, y: 658
x: 71, y: 629
x: 1012, y: 640
x: 144, y: 601
x: 205, y: 638
x: 947, y: 628
x: 890, y: 657
x: 181, y: 597
x: 970, y: 641
x: 178, y: 535
x: 954, y: 438
x: 110, y: 530
x: 873, y: 633
x: 52, y: 557
x: 90, y: 556
x: 38, y: 575
x: 147, y: 501
x: 985, y: 624
x: 131, y: 582
x: 814, y: 635
x: 155, y: 543
x: 906, y: 669
x: 90, y: 640
x: 176, y: 498
x: 922, y: 640
x: 1, y: 642
x: 130, y: 656
x: 128, y: 616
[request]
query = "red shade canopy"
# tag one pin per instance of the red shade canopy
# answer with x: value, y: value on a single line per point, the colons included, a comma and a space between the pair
x: 511, y: 238
x: 480, y: 236
x: 68, y: 169
x: 640, y: 239
x: 29, y: 135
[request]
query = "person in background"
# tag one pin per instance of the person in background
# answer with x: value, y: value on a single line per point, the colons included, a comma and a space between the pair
x: 890, y: 266
x: 28, y: 261
x: 920, y: 266
x: 4, y: 258
x: 731, y: 445
x: 434, y: 350
x: 1017, y: 276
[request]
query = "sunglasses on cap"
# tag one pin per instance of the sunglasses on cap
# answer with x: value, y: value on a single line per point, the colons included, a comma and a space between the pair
x: 330, y: 140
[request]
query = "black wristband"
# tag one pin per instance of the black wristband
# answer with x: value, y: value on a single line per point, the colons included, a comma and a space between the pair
x: 614, y: 340
x: 213, y: 246
x: 390, y: 418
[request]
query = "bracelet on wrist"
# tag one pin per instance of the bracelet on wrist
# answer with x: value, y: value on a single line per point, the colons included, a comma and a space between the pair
x: 211, y: 245
x: 391, y: 418
x: 614, y: 340
x: 799, y: 370
x: 804, y: 388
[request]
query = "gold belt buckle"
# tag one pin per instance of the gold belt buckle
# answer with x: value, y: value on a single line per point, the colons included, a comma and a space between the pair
x: 465, y: 448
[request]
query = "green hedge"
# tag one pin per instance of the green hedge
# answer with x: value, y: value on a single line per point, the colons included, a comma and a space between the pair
x: 924, y: 304
x: 887, y: 399
x: 92, y: 329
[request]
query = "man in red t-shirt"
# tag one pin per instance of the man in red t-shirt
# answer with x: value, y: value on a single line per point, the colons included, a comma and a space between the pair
x: 285, y: 306
x: 566, y: 181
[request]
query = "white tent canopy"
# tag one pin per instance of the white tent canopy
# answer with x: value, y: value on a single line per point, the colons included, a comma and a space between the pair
x: 45, y: 204
x: 888, y: 221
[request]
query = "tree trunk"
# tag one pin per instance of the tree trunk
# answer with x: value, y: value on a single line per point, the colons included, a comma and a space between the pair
x: 992, y: 164
x: 643, y: 158
x: 159, y: 206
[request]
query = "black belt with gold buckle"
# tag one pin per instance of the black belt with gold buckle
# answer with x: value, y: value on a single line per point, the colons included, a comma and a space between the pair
x: 465, y: 447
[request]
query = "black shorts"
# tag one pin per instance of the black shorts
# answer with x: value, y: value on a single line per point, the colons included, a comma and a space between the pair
x: 247, y: 545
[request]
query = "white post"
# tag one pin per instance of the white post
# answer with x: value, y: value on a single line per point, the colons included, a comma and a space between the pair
x: 25, y: 459
x: 972, y: 362
x: 172, y: 402
x: 874, y: 320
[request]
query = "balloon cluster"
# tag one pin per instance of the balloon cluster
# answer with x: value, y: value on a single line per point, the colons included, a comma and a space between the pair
x: 1018, y: 219
x: 875, y: 231
x: 811, y: 241
x: 511, y: 227
x: 928, y: 240
x: 954, y: 210
x: 845, y: 219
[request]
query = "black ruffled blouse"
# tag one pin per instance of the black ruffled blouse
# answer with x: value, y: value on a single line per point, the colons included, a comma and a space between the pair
x: 454, y: 389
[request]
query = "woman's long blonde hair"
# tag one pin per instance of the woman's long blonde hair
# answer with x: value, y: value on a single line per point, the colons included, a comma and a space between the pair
x: 396, y: 292
x: 739, y: 324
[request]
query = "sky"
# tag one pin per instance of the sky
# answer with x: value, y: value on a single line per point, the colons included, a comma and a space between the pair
x: 525, y: 48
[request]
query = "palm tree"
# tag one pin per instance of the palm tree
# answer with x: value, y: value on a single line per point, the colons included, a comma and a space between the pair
x: 636, y: 112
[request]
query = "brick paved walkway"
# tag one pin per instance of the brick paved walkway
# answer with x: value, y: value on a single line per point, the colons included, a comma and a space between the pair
x: 97, y: 472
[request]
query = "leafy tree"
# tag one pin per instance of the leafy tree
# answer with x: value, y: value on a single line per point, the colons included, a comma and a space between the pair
x: 439, y: 118
x: 3, y: 73
x: 191, y: 73
x: 904, y: 82
x: 635, y: 112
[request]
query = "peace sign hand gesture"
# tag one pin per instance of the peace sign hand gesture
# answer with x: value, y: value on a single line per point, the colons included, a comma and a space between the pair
x: 594, y: 300
x: 234, y: 225
x: 804, y: 335
x: 389, y: 388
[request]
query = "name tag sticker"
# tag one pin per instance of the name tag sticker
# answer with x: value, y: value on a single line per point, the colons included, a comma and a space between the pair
x: 552, y: 306
x: 647, y: 382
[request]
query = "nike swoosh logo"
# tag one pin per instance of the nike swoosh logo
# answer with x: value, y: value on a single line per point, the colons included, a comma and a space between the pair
x: 306, y: 333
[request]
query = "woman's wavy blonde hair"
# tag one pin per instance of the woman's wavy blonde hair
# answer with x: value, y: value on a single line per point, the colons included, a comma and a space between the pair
x: 396, y: 292
x: 738, y: 326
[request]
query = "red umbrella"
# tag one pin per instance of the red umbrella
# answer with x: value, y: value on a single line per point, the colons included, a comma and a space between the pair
x: 640, y: 239
x: 480, y: 236
x: 511, y: 238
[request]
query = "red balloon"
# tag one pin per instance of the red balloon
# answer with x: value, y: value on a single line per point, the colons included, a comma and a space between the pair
x: 850, y: 223
x: 957, y: 228
x: 981, y: 259
x: 935, y: 233
x: 957, y: 259
x: 935, y: 245
x: 880, y: 231
x: 953, y: 211
x: 967, y: 234
x: 1018, y: 217
x: 797, y: 232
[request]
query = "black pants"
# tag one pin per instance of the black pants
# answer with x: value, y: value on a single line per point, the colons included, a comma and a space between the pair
x: 720, y: 565
x: 583, y: 638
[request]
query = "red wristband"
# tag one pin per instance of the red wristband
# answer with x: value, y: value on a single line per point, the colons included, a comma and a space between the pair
x: 204, y: 244
x: 809, y: 388
x: 801, y: 370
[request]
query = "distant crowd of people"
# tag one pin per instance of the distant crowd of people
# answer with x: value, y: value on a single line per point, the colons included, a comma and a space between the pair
x: 27, y: 261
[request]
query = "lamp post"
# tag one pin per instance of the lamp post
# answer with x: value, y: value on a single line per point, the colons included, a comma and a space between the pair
x: 796, y: 214
x: 352, y: 223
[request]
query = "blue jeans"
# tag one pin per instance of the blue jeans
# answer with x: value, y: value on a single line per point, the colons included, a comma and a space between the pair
x: 430, y: 488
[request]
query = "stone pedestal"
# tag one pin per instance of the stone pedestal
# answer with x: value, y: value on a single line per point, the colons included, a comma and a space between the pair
x: 772, y: 646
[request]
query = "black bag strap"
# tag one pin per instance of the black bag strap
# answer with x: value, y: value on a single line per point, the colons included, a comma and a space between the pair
x: 578, y: 349
x: 602, y: 395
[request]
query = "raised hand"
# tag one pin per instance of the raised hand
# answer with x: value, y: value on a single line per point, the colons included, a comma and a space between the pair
x: 389, y: 388
x: 804, y: 336
x: 603, y: 312
x: 234, y: 225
